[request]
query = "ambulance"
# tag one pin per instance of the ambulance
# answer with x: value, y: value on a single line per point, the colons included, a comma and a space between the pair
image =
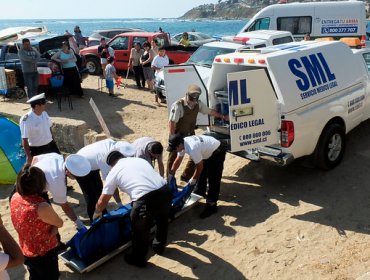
x: 285, y: 101
x: 321, y: 19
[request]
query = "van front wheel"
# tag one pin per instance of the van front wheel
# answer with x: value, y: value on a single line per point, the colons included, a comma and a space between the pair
x: 330, y: 148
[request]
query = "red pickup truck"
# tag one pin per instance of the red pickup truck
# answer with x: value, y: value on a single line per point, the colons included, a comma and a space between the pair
x: 124, y: 42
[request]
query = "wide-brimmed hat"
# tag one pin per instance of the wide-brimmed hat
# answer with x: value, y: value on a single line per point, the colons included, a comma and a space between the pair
x: 78, y: 165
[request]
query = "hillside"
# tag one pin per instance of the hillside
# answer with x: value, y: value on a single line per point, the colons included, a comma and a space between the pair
x: 229, y: 9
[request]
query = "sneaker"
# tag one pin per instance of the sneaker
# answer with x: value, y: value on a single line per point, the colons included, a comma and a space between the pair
x: 208, y: 211
x: 131, y: 260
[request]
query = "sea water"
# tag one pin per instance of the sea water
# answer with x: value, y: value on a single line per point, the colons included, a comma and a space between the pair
x: 173, y: 26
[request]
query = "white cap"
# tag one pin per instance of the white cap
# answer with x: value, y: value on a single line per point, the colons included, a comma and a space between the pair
x: 35, y: 98
x: 125, y: 148
x: 78, y: 165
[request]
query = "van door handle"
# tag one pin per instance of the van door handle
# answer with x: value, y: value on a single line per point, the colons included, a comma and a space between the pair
x: 242, y: 112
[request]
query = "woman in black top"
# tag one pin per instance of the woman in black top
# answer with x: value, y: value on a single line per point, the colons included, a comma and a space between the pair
x: 146, y: 61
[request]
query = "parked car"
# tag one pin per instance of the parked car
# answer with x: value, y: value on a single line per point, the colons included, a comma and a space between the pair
x: 47, y: 45
x: 196, y: 39
x: 94, y: 38
x: 123, y: 43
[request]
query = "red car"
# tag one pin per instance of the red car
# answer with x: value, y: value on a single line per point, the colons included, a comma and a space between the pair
x: 124, y: 42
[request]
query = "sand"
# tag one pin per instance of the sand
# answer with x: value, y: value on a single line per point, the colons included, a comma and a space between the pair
x: 273, y: 223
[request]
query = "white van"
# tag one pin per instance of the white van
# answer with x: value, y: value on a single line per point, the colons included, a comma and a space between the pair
x: 320, y: 19
x: 286, y: 101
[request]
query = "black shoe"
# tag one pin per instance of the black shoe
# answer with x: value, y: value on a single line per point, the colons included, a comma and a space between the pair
x: 129, y: 258
x: 61, y: 247
x: 158, y: 249
x: 184, y: 179
x: 69, y: 188
x: 208, y: 211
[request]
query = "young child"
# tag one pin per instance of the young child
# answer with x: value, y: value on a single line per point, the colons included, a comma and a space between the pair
x: 110, y: 75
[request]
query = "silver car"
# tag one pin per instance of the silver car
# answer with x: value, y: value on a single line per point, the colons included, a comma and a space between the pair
x: 196, y: 39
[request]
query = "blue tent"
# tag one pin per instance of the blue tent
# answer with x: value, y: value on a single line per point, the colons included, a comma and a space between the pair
x: 12, y: 156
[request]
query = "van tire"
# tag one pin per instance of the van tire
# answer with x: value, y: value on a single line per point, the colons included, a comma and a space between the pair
x: 331, y: 146
x: 93, y: 65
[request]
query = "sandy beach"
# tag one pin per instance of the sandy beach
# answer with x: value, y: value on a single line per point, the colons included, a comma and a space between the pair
x: 272, y: 223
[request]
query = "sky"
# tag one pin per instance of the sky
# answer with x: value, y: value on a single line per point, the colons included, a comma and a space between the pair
x: 76, y: 9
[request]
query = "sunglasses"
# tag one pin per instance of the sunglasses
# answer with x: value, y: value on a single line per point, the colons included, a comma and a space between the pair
x: 193, y: 98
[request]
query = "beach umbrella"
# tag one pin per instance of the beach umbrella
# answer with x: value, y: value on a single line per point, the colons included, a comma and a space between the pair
x: 12, y: 156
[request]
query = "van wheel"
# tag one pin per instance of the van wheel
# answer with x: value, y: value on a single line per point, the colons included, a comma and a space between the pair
x: 330, y: 148
x: 93, y: 65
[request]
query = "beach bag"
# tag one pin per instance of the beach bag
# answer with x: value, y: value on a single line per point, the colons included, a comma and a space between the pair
x: 105, y: 235
x: 179, y: 198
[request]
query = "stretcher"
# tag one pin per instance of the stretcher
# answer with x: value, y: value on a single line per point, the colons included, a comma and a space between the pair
x: 75, y: 263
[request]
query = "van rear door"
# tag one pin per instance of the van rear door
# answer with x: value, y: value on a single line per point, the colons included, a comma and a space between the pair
x: 177, y: 78
x: 253, y: 110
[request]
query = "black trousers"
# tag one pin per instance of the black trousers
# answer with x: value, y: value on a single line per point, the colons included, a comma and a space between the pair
x: 45, y: 149
x: 139, y: 76
x: 212, y: 172
x: 152, y: 208
x: 43, y: 267
x: 91, y: 186
x: 72, y: 81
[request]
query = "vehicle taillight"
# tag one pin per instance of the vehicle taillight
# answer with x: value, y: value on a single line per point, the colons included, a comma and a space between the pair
x: 286, y: 133
x: 363, y: 41
x: 242, y: 40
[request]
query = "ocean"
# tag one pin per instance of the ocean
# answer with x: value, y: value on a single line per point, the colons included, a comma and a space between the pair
x: 173, y: 26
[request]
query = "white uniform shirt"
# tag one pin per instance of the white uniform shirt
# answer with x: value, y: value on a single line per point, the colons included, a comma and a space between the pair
x: 160, y: 61
x: 96, y: 154
x: 36, y: 128
x: 134, y: 176
x: 199, y: 147
x: 53, y: 166
x: 4, y: 260
x: 141, y: 145
x: 177, y: 110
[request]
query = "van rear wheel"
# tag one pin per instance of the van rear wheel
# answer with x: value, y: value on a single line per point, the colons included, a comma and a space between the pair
x: 330, y: 148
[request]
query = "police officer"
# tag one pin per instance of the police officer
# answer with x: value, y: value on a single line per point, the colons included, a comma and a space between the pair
x: 35, y: 129
x: 91, y: 184
x: 56, y: 170
x: 150, y: 150
x: 151, y: 202
x: 208, y: 155
x: 183, y: 117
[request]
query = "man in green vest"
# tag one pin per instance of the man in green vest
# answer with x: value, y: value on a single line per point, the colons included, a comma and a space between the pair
x: 183, y: 117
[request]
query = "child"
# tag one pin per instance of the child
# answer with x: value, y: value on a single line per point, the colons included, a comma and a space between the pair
x: 110, y: 74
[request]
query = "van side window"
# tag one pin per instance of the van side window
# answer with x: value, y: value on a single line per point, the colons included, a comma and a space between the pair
x: 12, y: 53
x: 259, y: 46
x: 296, y: 25
x: 260, y: 24
x: 282, y: 40
x: 367, y: 60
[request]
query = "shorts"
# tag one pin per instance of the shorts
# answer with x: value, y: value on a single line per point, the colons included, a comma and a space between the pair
x: 109, y: 84
x: 103, y: 61
x: 148, y: 73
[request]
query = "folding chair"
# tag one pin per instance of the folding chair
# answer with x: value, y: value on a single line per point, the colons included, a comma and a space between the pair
x: 56, y: 84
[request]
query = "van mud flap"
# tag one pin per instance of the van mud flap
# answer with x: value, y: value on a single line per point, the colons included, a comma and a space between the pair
x: 75, y: 263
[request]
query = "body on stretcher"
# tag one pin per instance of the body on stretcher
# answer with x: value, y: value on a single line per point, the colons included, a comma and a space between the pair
x: 111, y: 234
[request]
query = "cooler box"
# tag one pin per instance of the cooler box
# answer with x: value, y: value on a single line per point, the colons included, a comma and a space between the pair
x: 11, y: 79
x: 44, y: 75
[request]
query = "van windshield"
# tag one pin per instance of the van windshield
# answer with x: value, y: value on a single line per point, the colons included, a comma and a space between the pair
x: 205, y: 55
x: 259, y: 24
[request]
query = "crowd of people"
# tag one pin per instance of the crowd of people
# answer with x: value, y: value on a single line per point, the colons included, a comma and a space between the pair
x: 104, y: 168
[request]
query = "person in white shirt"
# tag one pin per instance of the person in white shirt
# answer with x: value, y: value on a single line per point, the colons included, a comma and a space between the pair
x: 56, y: 170
x: 12, y: 255
x: 92, y: 184
x: 151, y: 203
x: 35, y: 129
x: 159, y: 62
x: 150, y: 150
x: 208, y: 155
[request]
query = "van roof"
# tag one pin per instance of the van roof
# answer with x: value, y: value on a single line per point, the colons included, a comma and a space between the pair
x: 328, y: 4
x: 264, y: 34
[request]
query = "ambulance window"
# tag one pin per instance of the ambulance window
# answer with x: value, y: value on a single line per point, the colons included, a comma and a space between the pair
x: 296, y: 25
x: 259, y: 46
x: 282, y: 40
x: 367, y: 60
x: 260, y: 24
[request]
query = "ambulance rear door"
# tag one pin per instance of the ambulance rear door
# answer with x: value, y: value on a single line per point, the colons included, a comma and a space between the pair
x: 253, y: 110
x: 177, y: 78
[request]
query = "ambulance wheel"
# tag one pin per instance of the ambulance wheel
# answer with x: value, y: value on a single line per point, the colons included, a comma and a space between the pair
x: 93, y: 65
x: 20, y: 93
x: 330, y: 149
